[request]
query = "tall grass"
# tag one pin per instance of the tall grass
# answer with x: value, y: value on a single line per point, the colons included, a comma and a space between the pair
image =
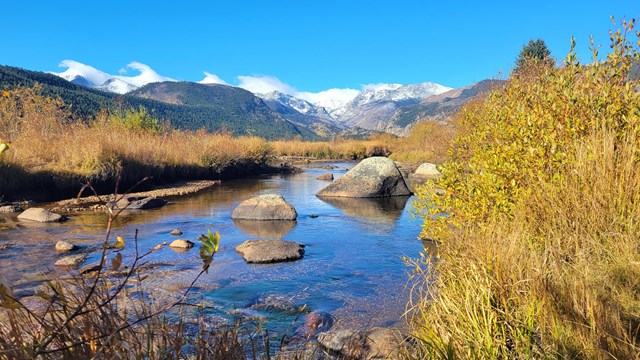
x: 538, y: 255
x: 44, y: 138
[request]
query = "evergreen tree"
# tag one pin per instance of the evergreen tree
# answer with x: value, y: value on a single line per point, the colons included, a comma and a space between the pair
x: 534, y: 50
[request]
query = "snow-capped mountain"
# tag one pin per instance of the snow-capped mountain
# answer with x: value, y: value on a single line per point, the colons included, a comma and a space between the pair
x: 302, y: 106
x: 117, y: 86
x: 376, y: 104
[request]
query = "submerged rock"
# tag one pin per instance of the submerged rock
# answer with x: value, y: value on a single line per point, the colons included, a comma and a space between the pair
x: 40, y: 215
x: 265, y: 207
x: 137, y: 203
x: 270, y: 251
x: 63, y: 246
x: 372, y: 177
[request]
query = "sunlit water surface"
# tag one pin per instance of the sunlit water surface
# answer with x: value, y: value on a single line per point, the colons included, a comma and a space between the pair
x: 353, y: 268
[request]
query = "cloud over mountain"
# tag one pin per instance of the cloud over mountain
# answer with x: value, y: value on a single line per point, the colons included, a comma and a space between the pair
x: 77, y: 71
x: 210, y: 78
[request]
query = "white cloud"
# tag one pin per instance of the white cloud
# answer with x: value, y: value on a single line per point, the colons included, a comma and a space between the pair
x: 96, y: 77
x: 74, y: 69
x: 330, y: 99
x: 147, y: 75
x: 210, y: 78
x: 262, y: 84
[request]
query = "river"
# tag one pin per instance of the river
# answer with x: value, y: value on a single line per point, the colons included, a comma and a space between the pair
x: 353, y: 267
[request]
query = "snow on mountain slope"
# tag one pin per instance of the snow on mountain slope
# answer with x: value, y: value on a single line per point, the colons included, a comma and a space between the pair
x: 376, y: 104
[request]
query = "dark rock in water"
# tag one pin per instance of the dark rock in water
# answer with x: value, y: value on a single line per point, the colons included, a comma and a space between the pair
x: 265, y: 207
x: 40, y: 215
x: 313, y: 216
x: 377, y: 343
x: 372, y: 177
x: 137, y: 203
x: 176, y: 232
x: 270, y: 251
x: 63, y: 246
x: 329, y: 167
x: 326, y: 177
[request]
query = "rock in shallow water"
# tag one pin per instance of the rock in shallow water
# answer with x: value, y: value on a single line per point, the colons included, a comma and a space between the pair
x: 270, y: 251
x: 372, y: 177
x: 63, y: 246
x: 326, y: 177
x: 265, y: 207
x: 181, y: 244
x: 176, y: 232
x: 40, y: 215
x: 71, y: 260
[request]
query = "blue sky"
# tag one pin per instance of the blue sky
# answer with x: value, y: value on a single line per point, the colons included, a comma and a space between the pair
x: 307, y: 45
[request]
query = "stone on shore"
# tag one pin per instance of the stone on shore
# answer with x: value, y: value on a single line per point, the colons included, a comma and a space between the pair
x: 63, y: 246
x: 40, y: 215
x: 181, y: 244
x: 428, y: 171
x: 377, y: 343
x: 372, y: 177
x: 10, y: 208
x: 265, y: 207
x: 270, y: 251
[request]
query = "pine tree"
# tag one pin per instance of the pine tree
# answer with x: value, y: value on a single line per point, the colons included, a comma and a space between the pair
x: 534, y: 50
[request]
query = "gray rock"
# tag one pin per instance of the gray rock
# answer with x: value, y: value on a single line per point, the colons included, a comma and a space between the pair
x: 63, y: 246
x: 137, y: 203
x: 176, y: 232
x: 265, y: 207
x: 428, y: 170
x: 181, y: 244
x: 372, y: 177
x: 377, y: 343
x: 71, y: 260
x: 270, y: 251
x: 40, y: 215
x: 325, y: 177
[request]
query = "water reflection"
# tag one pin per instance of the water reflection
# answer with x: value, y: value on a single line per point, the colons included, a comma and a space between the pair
x: 265, y: 229
x: 377, y: 210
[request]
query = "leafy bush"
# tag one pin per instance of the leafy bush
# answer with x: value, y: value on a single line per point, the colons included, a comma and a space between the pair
x: 537, y: 229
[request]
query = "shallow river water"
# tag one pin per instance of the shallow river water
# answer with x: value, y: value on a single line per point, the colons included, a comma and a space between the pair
x: 353, y: 267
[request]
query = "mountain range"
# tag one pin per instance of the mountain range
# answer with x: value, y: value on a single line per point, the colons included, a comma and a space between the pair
x: 393, y: 108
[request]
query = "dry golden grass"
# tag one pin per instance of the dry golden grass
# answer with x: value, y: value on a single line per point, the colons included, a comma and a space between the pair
x: 44, y: 138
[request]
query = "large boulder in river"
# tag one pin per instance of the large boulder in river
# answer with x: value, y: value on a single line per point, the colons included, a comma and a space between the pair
x: 372, y: 177
x: 265, y: 207
x: 270, y: 251
x: 40, y: 215
x: 377, y: 343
